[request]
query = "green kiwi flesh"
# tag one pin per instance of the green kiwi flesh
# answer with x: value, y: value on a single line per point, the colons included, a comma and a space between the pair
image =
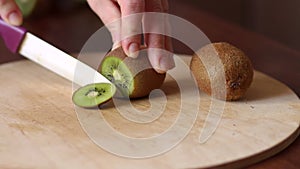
x: 133, y: 77
x: 117, y: 72
x: 93, y: 95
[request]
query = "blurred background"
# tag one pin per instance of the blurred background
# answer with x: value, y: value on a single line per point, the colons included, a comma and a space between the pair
x: 275, y: 19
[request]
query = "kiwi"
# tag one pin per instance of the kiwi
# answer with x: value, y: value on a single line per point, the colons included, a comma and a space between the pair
x: 93, y: 95
x: 26, y: 7
x: 237, y: 68
x: 134, y: 77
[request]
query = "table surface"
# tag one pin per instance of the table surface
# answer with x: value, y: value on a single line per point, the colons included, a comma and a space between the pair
x: 69, y: 31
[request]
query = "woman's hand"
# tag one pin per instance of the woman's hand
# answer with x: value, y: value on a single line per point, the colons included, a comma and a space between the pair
x: 10, y: 12
x: 128, y: 32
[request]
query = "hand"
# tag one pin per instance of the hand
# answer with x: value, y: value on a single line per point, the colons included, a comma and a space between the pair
x: 10, y: 12
x: 127, y: 33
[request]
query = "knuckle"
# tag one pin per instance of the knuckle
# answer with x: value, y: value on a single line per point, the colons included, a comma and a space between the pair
x: 136, y: 30
x: 3, y: 2
x: 157, y: 43
x: 135, y: 5
x: 7, y: 6
x: 156, y: 7
x: 165, y: 4
x: 131, y: 31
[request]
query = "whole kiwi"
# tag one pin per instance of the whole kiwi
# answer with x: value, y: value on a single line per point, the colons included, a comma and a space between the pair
x: 238, y: 71
x: 134, y: 77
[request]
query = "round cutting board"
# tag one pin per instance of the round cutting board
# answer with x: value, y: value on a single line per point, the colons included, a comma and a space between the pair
x: 39, y: 127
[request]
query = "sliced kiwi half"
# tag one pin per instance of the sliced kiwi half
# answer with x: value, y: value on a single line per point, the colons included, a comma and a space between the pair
x: 93, y: 95
x: 117, y: 72
x: 133, y: 77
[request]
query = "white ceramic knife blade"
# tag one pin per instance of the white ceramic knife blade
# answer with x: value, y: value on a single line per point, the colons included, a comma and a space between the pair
x: 58, y: 61
x: 18, y: 40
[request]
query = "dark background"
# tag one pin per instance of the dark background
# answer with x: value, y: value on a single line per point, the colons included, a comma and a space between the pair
x: 73, y: 21
x: 275, y: 19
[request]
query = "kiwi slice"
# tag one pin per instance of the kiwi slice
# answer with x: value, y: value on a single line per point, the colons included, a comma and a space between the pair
x: 93, y: 95
x: 134, y: 78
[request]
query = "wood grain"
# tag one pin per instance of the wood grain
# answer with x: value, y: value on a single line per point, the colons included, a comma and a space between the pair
x: 39, y: 127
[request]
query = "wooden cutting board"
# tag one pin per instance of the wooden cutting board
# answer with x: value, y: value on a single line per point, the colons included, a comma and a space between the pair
x: 39, y: 127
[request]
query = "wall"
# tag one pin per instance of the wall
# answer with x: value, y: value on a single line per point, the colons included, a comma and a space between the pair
x: 276, y: 19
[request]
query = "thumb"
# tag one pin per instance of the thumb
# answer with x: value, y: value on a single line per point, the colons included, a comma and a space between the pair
x: 10, y: 12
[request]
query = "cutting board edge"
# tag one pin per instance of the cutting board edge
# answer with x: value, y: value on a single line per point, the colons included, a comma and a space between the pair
x: 258, y: 157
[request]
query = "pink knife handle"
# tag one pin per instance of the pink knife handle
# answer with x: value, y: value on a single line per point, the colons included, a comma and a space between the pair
x: 11, y: 35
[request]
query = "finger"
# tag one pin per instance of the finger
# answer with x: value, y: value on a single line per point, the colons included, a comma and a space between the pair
x: 160, y: 52
x: 168, y: 39
x: 108, y: 11
x: 168, y: 34
x: 155, y: 27
x: 168, y: 45
x: 168, y: 62
x: 131, y: 11
x: 165, y: 5
x: 10, y: 12
x: 155, y: 45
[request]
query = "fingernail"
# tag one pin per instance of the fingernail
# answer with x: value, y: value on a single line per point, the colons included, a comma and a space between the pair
x: 15, y: 19
x: 165, y: 63
x: 133, y: 50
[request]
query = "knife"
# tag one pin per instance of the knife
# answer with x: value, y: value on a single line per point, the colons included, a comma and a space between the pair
x: 18, y: 40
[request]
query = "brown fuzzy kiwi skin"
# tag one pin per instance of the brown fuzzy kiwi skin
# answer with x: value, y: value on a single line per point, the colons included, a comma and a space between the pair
x: 145, y: 78
x: 237, y: 66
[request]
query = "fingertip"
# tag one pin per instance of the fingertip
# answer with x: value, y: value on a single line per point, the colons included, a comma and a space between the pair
x: 166, y: 63
x: 161, y: 60
x: 15, y: 18
x: 131, y: 50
